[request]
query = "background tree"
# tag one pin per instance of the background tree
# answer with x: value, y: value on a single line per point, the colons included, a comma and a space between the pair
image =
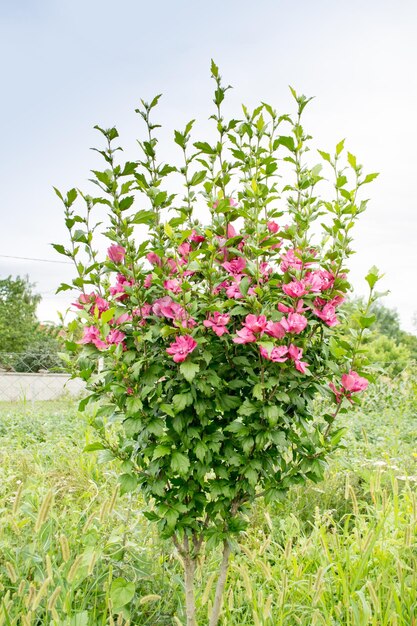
x: 18, y: 321
x: 389, y: 347
x: 25, y: 344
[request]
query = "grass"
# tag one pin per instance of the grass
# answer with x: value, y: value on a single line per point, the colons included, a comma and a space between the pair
x: 73, y: 552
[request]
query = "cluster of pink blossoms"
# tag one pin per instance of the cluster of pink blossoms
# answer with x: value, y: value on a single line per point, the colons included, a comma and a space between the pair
x: 119, y: 289
x: 91, y: 334
x: 93, y: 301
x: 166, y: 307
x: 255, y: 327
x: 175, y: 265
x: 313, y: 282
x: 294, y: 321
x: 350, y: 383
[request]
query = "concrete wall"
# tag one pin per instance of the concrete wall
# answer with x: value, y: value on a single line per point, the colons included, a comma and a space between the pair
x: 40, y: 386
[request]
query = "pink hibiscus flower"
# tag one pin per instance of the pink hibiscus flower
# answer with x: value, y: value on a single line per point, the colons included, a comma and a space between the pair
x: 275, y: 329
x: 272, y: 226
x: 244, y: 335
x: 181, y: 348
x: 327, y: 314
x: 154, y: 258
x: 115, y: 337
x: 291, y: 260
x: 296, y: 355
x: 195, y: 237
x: 173, y: 285
x: 91, y: 334
x: 278, y: 354
x: 116, y: 253
x: 353, y: 382
x: 294, y: 323
x: 294, y: 289
x: 236, y: 266
x: 217, y: 322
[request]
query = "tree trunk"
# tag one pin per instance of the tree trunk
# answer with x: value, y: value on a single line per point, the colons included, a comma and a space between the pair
x: 221, y: 582
x: 189, y: 571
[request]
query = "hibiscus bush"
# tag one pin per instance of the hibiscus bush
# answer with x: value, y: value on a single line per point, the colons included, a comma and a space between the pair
x: 208, y: 327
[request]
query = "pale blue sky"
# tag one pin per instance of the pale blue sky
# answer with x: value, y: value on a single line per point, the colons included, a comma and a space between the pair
x: 67, y: 65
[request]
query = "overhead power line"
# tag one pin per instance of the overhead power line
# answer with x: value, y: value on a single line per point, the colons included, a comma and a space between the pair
x: 26, y: 258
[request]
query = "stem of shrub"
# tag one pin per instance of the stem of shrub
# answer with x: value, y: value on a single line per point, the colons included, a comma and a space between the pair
x: 189, y: 571
x: 215, y: 614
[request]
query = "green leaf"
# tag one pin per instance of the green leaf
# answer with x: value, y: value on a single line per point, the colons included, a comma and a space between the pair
x: 151, y: 516
x: 132, y: 426
x: 257, y: 391
x: 92, y: 447
x: 121, y: 592
x: 268, y: 345
x: 229, y: 402
x: 155, y: 101
x: 189, y: 370
x: 133, y: 405
x: 373, y: 276
x: 200, y: 450
x: 337, y: 436
x: 340, y: 146
x: 260, y: 123
x: 251, y: 475
x: 71, y: 196
x: 156, y: 427
x: 247, y: 408
x: 336, y: 349
x: 203, y: 146
x: 324, y: 155
x: 366, y: 321
x: 244, y: 285
x: 126, y: 203
x: 214, y: 69
x: 288, y: 142
x: 351, y: 160
x: 198, y: 177
x: 59, y: 248
x: 103, y: 177
x: 106, y: 316
x: 282, y: 396
x: 165, y: 331
x: 171, y: 517
x: 237, y: 427
x: 181, y: 400
x: 166, y: 408
x: 80, y: 236
x: 341, y: 181
x: 168, y: 230
x: 128, y: 483
x: 369, y: 178
x: 278, y: 438
x: 58, y: 193
x: 272, y: 414
x: 161, y: 451
x: 179, y: 138
x: 143, y: 217
x: 180, y: 463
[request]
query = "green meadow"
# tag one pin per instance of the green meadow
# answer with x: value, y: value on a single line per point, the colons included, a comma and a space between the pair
x: 74, y: 552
